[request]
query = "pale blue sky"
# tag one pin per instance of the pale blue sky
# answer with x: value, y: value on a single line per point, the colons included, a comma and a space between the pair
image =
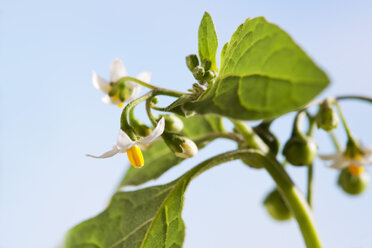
x: 51, y: 115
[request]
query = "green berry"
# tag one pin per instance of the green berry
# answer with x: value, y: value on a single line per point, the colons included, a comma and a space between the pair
x: 277, y: 207
x: 300, y: 150
x: 353, y: 184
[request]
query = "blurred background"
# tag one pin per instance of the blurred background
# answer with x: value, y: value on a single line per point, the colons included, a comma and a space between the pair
x: 51, y: 116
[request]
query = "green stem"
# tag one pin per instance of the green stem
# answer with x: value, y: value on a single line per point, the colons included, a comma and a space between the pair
x: 150, y: 86
x: 286, y: 187
x: 149, y: 113
x: 250, y: 137
x: 350, y: 97
x: 124, y: 125
x: 310, y: 187
x: 297, y: 203
x: 215, y: 135
x: 159, y: 108
x: 335, y: 141
x: 347, y: 130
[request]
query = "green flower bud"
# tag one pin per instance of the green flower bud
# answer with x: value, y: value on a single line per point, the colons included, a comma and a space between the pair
x: 198, y: 73
x: 192, y: 61
x: 181, y: 146
x: 300, y: 150
x: 353, y: 184
x: 142, y: 130
x: 209, y: 75
x: 154, y: 100
x: 173, y: 123
x: 326, y: 118
x: 189, y: 149
x: 206, y: 64
x: 268, y: 137
x: 277, y: 207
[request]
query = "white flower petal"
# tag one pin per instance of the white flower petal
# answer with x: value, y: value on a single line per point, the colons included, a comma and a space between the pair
x: 364, y: 161
x: 115, y: 150
x: 367, y: 150
x: 159, y: 129
x: 333, y: 156
x: 117, y: 70
x: 144, y: 76
x: 339, y: 164
x: 135, y: 91
x: 100, y: 83
x: 124, y: 142
x: 108, y: 100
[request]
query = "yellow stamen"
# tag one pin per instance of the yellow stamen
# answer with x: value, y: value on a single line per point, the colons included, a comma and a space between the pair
x: 358, y: 157
x: 135, y: 156
x: 355, y: 170
x: 120, y: 105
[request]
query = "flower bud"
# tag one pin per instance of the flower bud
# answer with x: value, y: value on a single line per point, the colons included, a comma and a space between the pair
x: 206, y: 64
x: 181, y: 146
x: 300, y: 150
x: 141, y: 129
x: 209, y: 75
x: 189, y: 149
x: 198, y: 73
x: 353, y: 184
x: 192, y: 61
x: 173, y: 123
x: 326, y: 118
x: 277, y: 207
x: 154, y: 100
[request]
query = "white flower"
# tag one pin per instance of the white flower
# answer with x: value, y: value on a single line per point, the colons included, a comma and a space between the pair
x: 355, y: 163
x: 119, y: 94
x: 125, y: 144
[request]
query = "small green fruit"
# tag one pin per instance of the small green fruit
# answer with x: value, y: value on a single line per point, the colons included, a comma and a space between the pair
x: 300, y: 150
x: 277, y: 207
x: 352, y: 184
x: 269, y: 138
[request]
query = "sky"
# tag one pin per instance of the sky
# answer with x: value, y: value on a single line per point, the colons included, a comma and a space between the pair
x: 51, y: 116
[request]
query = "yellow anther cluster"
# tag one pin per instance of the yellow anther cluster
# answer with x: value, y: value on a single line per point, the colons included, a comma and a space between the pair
x: 355, y: 170
x: 135, y: 156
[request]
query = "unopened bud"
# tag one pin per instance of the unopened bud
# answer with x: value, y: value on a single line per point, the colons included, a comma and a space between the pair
x: 209, y: 75
x: 181, y: 146
x: 198, y: 72
x: 326, y: 118
x: 206, y: 64
x: 192, y: 61
x: 154, y: 100
x: 189, y: 149
x: 173, y: 123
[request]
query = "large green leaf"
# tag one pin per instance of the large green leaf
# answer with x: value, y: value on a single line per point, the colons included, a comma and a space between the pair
x: 159, y: 158
x: 207, y: 40
x: 263, y: 74
x: 146, y: 218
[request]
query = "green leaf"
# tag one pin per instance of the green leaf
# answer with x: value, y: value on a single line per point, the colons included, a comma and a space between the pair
x: 145, y: 218
x: 263, y: 74
x: 208, y: 40
x: 159, y: 158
